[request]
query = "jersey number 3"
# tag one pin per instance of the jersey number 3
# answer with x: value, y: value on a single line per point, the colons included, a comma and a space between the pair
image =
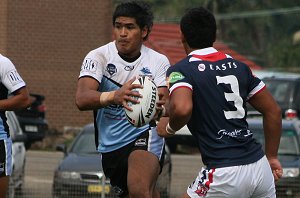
x: 232, y: 97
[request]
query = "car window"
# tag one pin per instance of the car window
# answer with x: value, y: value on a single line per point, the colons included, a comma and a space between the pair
x: 289, y: 144
x: 84, y: 144
x: 281, y: 90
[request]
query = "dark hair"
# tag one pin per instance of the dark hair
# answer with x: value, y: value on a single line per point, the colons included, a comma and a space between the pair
x: 199, y: 28
x: 138, y: 10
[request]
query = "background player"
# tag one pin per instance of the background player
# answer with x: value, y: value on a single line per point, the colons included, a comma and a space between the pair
x: 208, y: 92
x: 131, y: 157
x: 13, y: 85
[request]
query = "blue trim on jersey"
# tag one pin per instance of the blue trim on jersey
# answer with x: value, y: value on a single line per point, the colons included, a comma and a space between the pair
x: 113, y: 129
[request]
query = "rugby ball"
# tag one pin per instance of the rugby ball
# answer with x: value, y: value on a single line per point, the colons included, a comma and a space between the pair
x: 142, y: 113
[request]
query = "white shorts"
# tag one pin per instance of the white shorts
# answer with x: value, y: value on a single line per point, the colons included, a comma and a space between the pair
x: 5, y: 157
x: 245, y: 181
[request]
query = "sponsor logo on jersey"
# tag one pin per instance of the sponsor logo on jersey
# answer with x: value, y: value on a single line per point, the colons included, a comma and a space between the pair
x: 175, y: 76
x: 141, y: 142
x: 111, y: 69
x: 234, y: 134
x: 14, y: 77
x: 201, y: 67
x: 224, y: 66
x: 146, y: 72
x: 89, y: 65
x: 129, y: 68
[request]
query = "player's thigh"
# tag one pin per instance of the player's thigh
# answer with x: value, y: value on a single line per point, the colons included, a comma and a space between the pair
x: 143, y: 166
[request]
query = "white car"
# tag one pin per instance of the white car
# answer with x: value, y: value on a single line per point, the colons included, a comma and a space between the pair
x: 18, y: 155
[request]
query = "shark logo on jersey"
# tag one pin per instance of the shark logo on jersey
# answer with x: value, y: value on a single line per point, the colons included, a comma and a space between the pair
x: 146, y: 72
x: 89, y: 65
x: 14, y: 77
x: 111, y: 69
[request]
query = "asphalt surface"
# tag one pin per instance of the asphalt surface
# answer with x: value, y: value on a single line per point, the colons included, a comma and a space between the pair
x: 40, y: 167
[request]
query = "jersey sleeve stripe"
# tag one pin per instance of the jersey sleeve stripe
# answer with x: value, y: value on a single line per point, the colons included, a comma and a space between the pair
x: 261, y: 86
x: 180, y: 85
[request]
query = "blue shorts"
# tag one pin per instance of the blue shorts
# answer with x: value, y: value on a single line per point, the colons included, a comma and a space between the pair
x: 5, y: 157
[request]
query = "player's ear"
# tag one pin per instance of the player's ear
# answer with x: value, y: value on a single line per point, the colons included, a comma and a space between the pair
x: 145, y: 32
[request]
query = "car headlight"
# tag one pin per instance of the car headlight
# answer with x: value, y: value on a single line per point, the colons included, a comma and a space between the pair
x: 68, y: 175
x: 290, y: 172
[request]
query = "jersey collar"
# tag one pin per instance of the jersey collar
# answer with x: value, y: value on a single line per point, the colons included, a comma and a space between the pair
x: 204, y: 51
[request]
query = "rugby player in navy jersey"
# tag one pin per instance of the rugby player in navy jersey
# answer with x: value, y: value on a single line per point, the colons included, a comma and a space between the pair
x: 132, y: 157
x: 208, y: 92
x: 13, y: 96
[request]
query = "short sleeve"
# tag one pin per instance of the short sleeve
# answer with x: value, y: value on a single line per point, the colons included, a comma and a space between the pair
x: 10, y: 77
x: 92, y: 65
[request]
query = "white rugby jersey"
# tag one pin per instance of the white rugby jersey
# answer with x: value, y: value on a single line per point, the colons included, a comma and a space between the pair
x: 113, y: 131
x: 10, y: 81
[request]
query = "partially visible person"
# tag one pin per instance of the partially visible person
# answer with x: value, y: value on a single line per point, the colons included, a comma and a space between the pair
x: 132, y: 157
x: 13, y: 96
x: 208, y: 92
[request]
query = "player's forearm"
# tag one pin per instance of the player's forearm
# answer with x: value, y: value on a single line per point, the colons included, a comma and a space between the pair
x: 272, y: 128
x: 90, y: 100
x: 16, y: 102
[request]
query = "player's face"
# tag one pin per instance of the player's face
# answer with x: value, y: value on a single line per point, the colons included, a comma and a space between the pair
x: 128, y: 36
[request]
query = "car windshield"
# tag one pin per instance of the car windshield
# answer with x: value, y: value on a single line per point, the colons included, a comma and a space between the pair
x: 279, y: 89
x: 289, y: 144
x: 84, y: 144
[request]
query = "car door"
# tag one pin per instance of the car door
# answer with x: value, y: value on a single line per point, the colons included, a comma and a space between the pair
x: 18, y: 148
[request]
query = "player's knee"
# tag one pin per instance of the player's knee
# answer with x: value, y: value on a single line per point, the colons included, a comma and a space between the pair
x: 140, y: 191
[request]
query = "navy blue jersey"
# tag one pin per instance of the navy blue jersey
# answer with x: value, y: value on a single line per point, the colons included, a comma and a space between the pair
x: 220, y: 88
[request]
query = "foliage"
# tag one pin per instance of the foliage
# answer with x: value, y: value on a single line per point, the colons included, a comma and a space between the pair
x: 262, y: 30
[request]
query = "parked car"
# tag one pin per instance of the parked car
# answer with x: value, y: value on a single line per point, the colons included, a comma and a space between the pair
x: 33, y: 121
x: 80, y: 174
x: 285, y: 88
x: 16, y: 181
x: 288, y: 154
x: 286, y: 91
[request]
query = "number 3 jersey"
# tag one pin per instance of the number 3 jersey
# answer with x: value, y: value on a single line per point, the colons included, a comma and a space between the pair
x: 113, y: 131
x: 220, y: 88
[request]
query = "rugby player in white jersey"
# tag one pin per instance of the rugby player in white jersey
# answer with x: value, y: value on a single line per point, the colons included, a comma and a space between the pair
x: 13, y: 96
x: 208, y: 92
x: 131, y: 157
